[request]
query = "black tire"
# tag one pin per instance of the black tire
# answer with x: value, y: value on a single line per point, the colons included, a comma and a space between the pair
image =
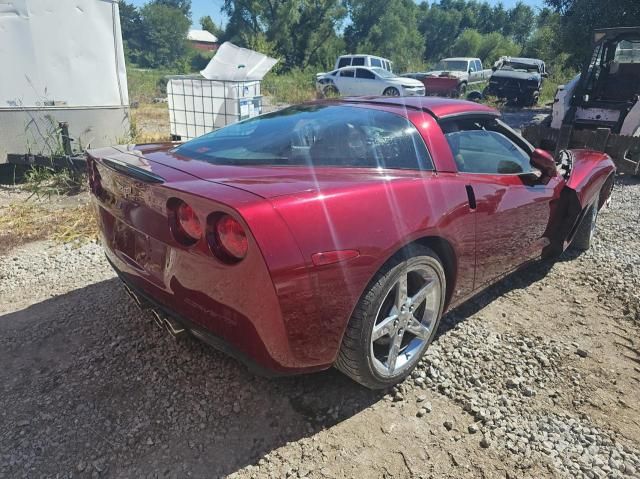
x: 462, y: 90
x: 330, y: 92
x: 587, y: 228
x: 355, y: 355
x: 391, y: 91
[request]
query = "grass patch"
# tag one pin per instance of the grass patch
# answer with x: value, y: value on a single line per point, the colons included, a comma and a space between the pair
x: 30, y: 221
x: 150, y: 123
x: 44, y: 182
x: 147, y: 84
x: 293, y: 87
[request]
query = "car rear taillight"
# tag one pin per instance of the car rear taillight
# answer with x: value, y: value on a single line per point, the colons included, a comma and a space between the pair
x: 228, y: 239
x: 185, y: 224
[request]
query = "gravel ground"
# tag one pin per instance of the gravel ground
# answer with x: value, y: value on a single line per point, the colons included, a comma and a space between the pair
x: 537, y: 377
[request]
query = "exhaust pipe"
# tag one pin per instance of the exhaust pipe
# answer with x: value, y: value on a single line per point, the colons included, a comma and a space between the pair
x: 174, y: 328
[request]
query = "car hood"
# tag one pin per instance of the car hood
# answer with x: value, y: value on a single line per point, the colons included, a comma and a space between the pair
x: 514, y: 75
x: 404, y: 81
x: 264, y: 181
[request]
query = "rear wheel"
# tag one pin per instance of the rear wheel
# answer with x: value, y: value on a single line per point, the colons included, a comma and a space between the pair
x: 391, y: 91
x: 395, y: 320
x: 587, y: 228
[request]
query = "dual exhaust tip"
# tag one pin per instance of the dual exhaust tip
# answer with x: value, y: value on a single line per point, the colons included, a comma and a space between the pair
x: 165, y: 322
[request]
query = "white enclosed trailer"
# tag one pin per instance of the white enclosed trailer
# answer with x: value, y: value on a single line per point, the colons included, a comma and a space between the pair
x: 61, y: 61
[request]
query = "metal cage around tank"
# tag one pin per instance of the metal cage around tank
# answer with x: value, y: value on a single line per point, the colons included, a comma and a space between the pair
x: 198, y: 105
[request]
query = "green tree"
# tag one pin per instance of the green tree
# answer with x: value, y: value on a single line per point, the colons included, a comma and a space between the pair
x: 164, y: 35
x: 300, y: 32
x: 183, y: 5
x: 488, y: 47
x: 580, y: 17
x: 387, y: 28
x: 209, y: 25
x: 521, y: 21
x: 131, y: 27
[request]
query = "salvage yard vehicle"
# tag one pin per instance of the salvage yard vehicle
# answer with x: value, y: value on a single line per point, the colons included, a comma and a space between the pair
x: 370, y: 61
x: 336, y: 233
x: 452, y: 76
x: 517, y: 80
x: 363, y: 81
x: 600, y: 108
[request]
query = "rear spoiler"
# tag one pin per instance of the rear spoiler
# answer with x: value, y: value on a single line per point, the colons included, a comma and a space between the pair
x: 132, y: 171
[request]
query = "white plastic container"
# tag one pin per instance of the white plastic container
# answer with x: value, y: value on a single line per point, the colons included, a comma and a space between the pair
x: 198, y: 105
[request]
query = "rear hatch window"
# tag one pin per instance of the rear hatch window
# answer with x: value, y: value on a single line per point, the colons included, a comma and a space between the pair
x: 315, y: 135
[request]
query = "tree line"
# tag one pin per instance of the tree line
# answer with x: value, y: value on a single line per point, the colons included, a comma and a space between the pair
x: 312, y: 33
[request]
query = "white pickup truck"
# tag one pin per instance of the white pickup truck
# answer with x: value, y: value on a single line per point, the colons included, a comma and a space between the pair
x: 466, y: 71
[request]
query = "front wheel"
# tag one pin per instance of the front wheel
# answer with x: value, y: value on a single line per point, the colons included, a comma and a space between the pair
x: 391, y: 91
x: 330, y: 92
x: 462, y: 90
x: 395, y: 320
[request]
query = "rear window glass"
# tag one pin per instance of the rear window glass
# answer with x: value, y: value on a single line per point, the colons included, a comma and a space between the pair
x: 375, y: 62
x: 315, y: 135
x: 344, y: 62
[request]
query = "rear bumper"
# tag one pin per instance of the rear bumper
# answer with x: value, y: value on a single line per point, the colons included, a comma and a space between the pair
x: 146, y: 302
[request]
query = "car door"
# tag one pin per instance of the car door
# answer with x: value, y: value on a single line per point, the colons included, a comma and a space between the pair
x: 345, y: 81
x: 473, y: 72
x: 367, y: 83
x: 513, y: 212
x: 479, y: 71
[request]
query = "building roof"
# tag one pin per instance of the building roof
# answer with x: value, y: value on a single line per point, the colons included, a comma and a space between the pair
x: 201, y: 36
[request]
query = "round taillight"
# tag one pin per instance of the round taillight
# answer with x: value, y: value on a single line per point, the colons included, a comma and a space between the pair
x: 231, y: 239
x: 184, y: 222
x: 188, y: 221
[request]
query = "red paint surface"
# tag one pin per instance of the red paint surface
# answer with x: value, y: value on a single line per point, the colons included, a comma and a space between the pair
x: 277, y: 306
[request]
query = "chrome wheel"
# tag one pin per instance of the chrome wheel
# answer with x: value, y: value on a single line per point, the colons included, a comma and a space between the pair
x: 391, y: 91
x: 406, y: 320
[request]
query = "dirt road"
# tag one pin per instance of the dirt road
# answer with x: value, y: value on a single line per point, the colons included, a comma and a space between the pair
x: 538, y: 377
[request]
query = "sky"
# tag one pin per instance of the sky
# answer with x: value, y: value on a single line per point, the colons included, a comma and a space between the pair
x: 201, y: 8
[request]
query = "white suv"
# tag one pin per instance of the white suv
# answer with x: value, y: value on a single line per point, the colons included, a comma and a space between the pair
x: 370, y: 61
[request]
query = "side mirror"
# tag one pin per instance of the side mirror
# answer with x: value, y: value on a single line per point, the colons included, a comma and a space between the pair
x: 545, y: 75
x: 494, y: 68
x: 544, y: 161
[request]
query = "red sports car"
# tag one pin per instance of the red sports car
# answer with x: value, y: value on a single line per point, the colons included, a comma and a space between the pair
x: 336, y: 233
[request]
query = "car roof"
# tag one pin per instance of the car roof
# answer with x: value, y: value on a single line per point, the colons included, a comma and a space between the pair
x: 533, y: 61
x: 437, y: 106
x: 464, y: 59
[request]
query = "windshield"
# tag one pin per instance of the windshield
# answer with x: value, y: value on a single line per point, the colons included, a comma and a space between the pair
x: 452, y: 65
x: 627, y: 51
x: 315, y: 135
x: 382, y: 73
x: 520, y: 67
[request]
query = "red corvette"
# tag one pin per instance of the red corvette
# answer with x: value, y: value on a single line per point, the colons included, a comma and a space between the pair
x: 338, y: 232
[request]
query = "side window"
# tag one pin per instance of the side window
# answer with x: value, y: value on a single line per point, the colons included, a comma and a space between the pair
x: 344, y: 62
x: 472, y: 66
x: 375, y: 62
x: 362, y: 73
x: 478, y: 65
x: 347, y: 73
x: 480, y: 147
x: 358, y: 62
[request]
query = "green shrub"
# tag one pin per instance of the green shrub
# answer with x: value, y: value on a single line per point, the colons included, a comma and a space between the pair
x: 295, y: 86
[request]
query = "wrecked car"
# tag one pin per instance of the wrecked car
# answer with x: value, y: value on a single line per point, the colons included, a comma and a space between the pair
x: 517, y: 80
x: 600, y: 107
x: 337, y: 232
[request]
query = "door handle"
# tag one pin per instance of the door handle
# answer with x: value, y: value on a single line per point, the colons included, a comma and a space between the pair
x: 471, y: 196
